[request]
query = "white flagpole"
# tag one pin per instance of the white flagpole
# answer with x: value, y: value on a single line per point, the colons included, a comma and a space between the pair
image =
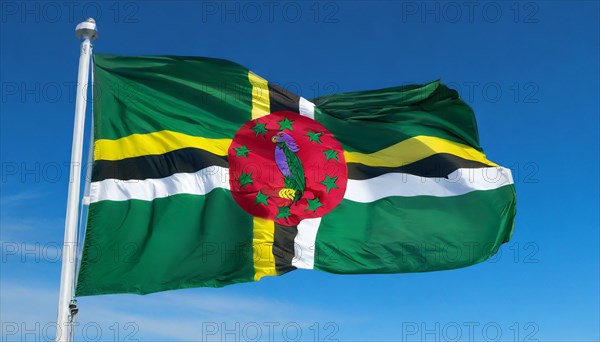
x: 86, y: 31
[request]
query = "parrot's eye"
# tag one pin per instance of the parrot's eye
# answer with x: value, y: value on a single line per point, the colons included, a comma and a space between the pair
x: 280, y: 134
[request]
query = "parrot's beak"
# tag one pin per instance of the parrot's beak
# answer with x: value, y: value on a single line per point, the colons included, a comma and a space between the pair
x: 273, y: 139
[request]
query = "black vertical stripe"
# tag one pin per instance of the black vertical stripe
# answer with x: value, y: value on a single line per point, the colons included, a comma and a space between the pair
x: 283, y: 247
x: 281, y: 99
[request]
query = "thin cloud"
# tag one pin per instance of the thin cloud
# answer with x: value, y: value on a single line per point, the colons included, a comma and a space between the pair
x: 183, y: 316
x: 21, y: 198
x: 14, y: 229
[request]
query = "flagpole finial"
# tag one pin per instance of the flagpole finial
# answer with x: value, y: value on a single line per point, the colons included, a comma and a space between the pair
x: 87, y: 29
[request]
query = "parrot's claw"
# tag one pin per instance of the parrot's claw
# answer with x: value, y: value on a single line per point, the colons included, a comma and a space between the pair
x: 287, y: 193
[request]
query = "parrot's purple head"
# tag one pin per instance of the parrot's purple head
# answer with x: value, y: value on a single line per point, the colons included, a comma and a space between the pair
x: 281, y: 137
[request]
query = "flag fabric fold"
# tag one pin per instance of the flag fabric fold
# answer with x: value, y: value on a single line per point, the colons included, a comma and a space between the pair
x: 205, y: 174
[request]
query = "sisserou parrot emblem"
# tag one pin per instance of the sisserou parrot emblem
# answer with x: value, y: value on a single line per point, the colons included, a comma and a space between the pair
x: 286, y: 168
x: 290, y: 166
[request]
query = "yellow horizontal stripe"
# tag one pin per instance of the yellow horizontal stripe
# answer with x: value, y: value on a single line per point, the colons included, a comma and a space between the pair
x: 261, y: 104
x: 264, y: 236
x: 415, y: 149
x: 160, y: 142
x: 400, y: 154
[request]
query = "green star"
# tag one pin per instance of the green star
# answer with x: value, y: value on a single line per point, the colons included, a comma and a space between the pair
x: 261, y: 198
x: 312, y: 136
x: 241, y: 151
x: 285, y: 123
x: 245, y: 178
x: 329, y: 182
x: 259, y: 128
x: 283, y: 212
x: 313, y: 204
x: 331, y: 154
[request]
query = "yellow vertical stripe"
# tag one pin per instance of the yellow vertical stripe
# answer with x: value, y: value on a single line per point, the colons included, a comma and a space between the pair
x: 264, y: 235
x: 264, y: 230
x: 260, y: 96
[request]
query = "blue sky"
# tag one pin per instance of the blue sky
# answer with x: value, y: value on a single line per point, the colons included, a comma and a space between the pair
x: 530, y: 70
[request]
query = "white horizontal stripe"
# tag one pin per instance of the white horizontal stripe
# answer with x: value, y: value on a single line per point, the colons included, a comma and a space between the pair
x: 198, y: 183
x: 459, y: 182
x: 304, y: 243
x: 306, y: 108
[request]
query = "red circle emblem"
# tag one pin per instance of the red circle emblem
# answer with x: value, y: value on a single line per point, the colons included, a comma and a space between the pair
x: 286, y: 167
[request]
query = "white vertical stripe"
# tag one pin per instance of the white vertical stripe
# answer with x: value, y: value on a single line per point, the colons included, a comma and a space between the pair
x: 304, y: 243
x: 307, y: 108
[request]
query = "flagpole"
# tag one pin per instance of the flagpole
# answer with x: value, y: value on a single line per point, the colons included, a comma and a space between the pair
x: 86, y: 31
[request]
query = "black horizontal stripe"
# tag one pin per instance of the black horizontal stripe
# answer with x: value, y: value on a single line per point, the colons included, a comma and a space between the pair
x: 190, y: 160
x: 281, y: 99
x: 283, y: 247
x: 185, y: 160
x: 438, y: 165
